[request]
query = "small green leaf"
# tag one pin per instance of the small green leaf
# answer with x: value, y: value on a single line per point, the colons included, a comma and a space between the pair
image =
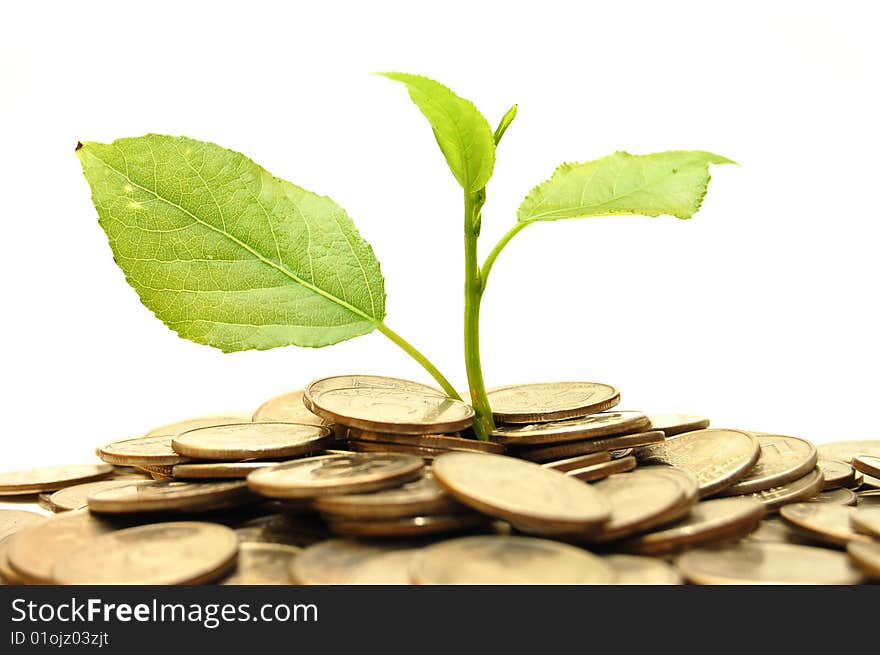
x: 506, y: 120
x: 672, y: 182
x: 462, y: 132
x: 227, y: 255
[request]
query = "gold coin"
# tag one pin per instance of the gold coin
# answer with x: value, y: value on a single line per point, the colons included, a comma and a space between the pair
x: 173, y: 429
x: 333, y: 562
x: 673, y: 424
x: 217, y: 470
x: 836, y: 474
x: 43, y: 501
x: 444, y: 442
x: 335, y: 474
x: 868, y: 498
x: 185, y: 552
x: 776, y: 531
x: 835, y: 497
x: 718, y: 458
x: 427, y: 454
x: 13, y: 520
x: 262, y: 564
x: 867, y: 465
x: 867, y: 521
x: 519, y: 491
x: 866, y: 556
x: 50, y: 478
x: 767, y: 563
x: 410, y: 526
x: 574, y: 448
x: 577, y: 429
x: 418, y: 498
x: 385, y: 569
x: 603, y: 470
x: 867, y: 482
x: 170, y: 496
x: 794, y: 492
x: 640, y: 501
x: 154, y: 450
x: 572, y: 463
x: 829, y: 524
x: 637, y: 570
x: 365, y: 382
x: 288, y: 407
x: 709, y: 521
x: 550, y: 401
x: 251, y: 440
x: 782, y: 460
x: 844, y: 451
x: 76, y: 497
x: 388, y: 410
x: 508, y: 560
x: 33, y: 551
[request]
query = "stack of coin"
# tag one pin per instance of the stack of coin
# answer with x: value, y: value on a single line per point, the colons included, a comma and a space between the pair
x: 376, y: 480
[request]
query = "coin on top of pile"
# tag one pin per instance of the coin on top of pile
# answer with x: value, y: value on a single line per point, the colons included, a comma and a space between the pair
x: 603, y: 444
x: 718, y: 458
x: 550, y: 401
x: 152, y: 450
x: 846, y: 450
x: 707, y: 522
x: 767, y: 563
x: 643, y: 499
x: 508, y: 560
x: 170, y: 496
x: 418, y: 498
x: 251, y: 440
x: 673, y: 424
x: 520, y: 491
x: 836, y: 474
x: 392, y: 410
x: 867, y: 464
x: 50, y: 478
x: 185, y: 552
x: 782, y: 460
x: 335, y: 474
x: 438, y: 441
x: 802, y: 489
x: 289, y: 408
x: 593, y: 426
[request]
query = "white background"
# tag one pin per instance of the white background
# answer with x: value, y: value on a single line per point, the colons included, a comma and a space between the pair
x: 760, y: 312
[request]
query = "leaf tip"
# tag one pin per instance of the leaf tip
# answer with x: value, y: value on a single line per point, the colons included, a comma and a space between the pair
x: 79, y: 146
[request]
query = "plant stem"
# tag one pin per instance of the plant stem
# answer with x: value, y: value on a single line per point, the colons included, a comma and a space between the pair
x: 413, y: 352
x: 473, y: 292
x: 490, y: 260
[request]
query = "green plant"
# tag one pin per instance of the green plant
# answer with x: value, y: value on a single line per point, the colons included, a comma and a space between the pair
x: 230, y: 256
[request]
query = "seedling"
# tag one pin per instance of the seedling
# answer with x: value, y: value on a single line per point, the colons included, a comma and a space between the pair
x: 229, y: 256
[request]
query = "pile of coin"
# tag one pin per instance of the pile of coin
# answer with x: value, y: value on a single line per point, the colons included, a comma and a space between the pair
x: 372, y: 480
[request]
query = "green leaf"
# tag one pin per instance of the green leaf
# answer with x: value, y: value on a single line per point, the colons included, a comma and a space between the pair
x: 227, y: 255
x: 462, y: 132
x: 672, y: 182
x: 506, y: 120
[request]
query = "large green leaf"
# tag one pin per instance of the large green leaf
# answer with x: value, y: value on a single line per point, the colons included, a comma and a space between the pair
x: 672, y: 182
x: 226, y: 254
x: 462, y: 132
